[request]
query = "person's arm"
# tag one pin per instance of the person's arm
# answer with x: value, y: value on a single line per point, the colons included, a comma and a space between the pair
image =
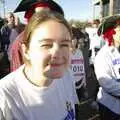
x: 73, y: 90
x: 5, y: 33
x: 2, y: 34
x: 104, y: 73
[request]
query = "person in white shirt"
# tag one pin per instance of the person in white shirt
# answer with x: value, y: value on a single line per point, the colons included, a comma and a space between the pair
x: 107, y: 69
x: 42, y: 88
x: 96, y: 41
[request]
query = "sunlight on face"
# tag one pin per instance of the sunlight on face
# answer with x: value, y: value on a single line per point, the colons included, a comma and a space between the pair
x: 49, y: 50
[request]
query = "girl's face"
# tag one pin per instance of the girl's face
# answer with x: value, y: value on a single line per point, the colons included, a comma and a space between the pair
x: 116, y: 36
x: 81, y: 43
x: 74, y: 42
x: 49, y: 51
x: 10, y: 18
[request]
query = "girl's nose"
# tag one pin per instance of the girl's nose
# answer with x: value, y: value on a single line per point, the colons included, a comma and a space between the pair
x: 56, y: 51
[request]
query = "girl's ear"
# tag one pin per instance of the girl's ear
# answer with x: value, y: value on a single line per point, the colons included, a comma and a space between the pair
x: 25, y: 52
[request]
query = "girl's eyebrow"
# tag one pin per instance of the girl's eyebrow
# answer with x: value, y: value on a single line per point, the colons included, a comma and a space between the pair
x: 66, y: 40
x: 51, y: 40
x: 46, y: 39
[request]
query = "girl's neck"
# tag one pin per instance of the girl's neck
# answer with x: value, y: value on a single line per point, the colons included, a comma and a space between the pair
x: 42, y: 82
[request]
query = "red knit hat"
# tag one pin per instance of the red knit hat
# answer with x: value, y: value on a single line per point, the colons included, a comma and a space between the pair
x: 107, y: 27
x: 29, y: 6
x: 29, y: 13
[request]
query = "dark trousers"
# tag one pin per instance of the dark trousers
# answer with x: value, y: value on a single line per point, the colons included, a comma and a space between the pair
x: 81, y: 93
x: 77, y: 112
x: 107, y: 114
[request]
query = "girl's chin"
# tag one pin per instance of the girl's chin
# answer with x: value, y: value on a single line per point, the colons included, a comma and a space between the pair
x: 55, y: 75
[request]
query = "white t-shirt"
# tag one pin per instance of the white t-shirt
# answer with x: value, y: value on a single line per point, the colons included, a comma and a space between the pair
x: 77, y: 66
x: 95, y: 40
x: 107, y: 69
x: 21, y: 100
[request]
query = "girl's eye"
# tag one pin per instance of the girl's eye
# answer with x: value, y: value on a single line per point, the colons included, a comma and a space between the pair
x: 46, y: 46
x: 64, y: 45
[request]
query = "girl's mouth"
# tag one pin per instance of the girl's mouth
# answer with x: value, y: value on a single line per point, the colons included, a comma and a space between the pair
x: 56, y: 64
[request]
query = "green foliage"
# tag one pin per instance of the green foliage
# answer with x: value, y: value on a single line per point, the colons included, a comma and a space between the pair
x: 77, y: 23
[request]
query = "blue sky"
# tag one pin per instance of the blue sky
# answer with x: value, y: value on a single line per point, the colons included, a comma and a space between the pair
x: 74, y: 9
x: 77, y: 9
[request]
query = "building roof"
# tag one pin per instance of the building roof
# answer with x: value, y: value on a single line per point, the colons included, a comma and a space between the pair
x: 97, y: 2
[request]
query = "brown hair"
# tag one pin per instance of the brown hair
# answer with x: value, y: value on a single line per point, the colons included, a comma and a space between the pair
x: 39, y: 18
